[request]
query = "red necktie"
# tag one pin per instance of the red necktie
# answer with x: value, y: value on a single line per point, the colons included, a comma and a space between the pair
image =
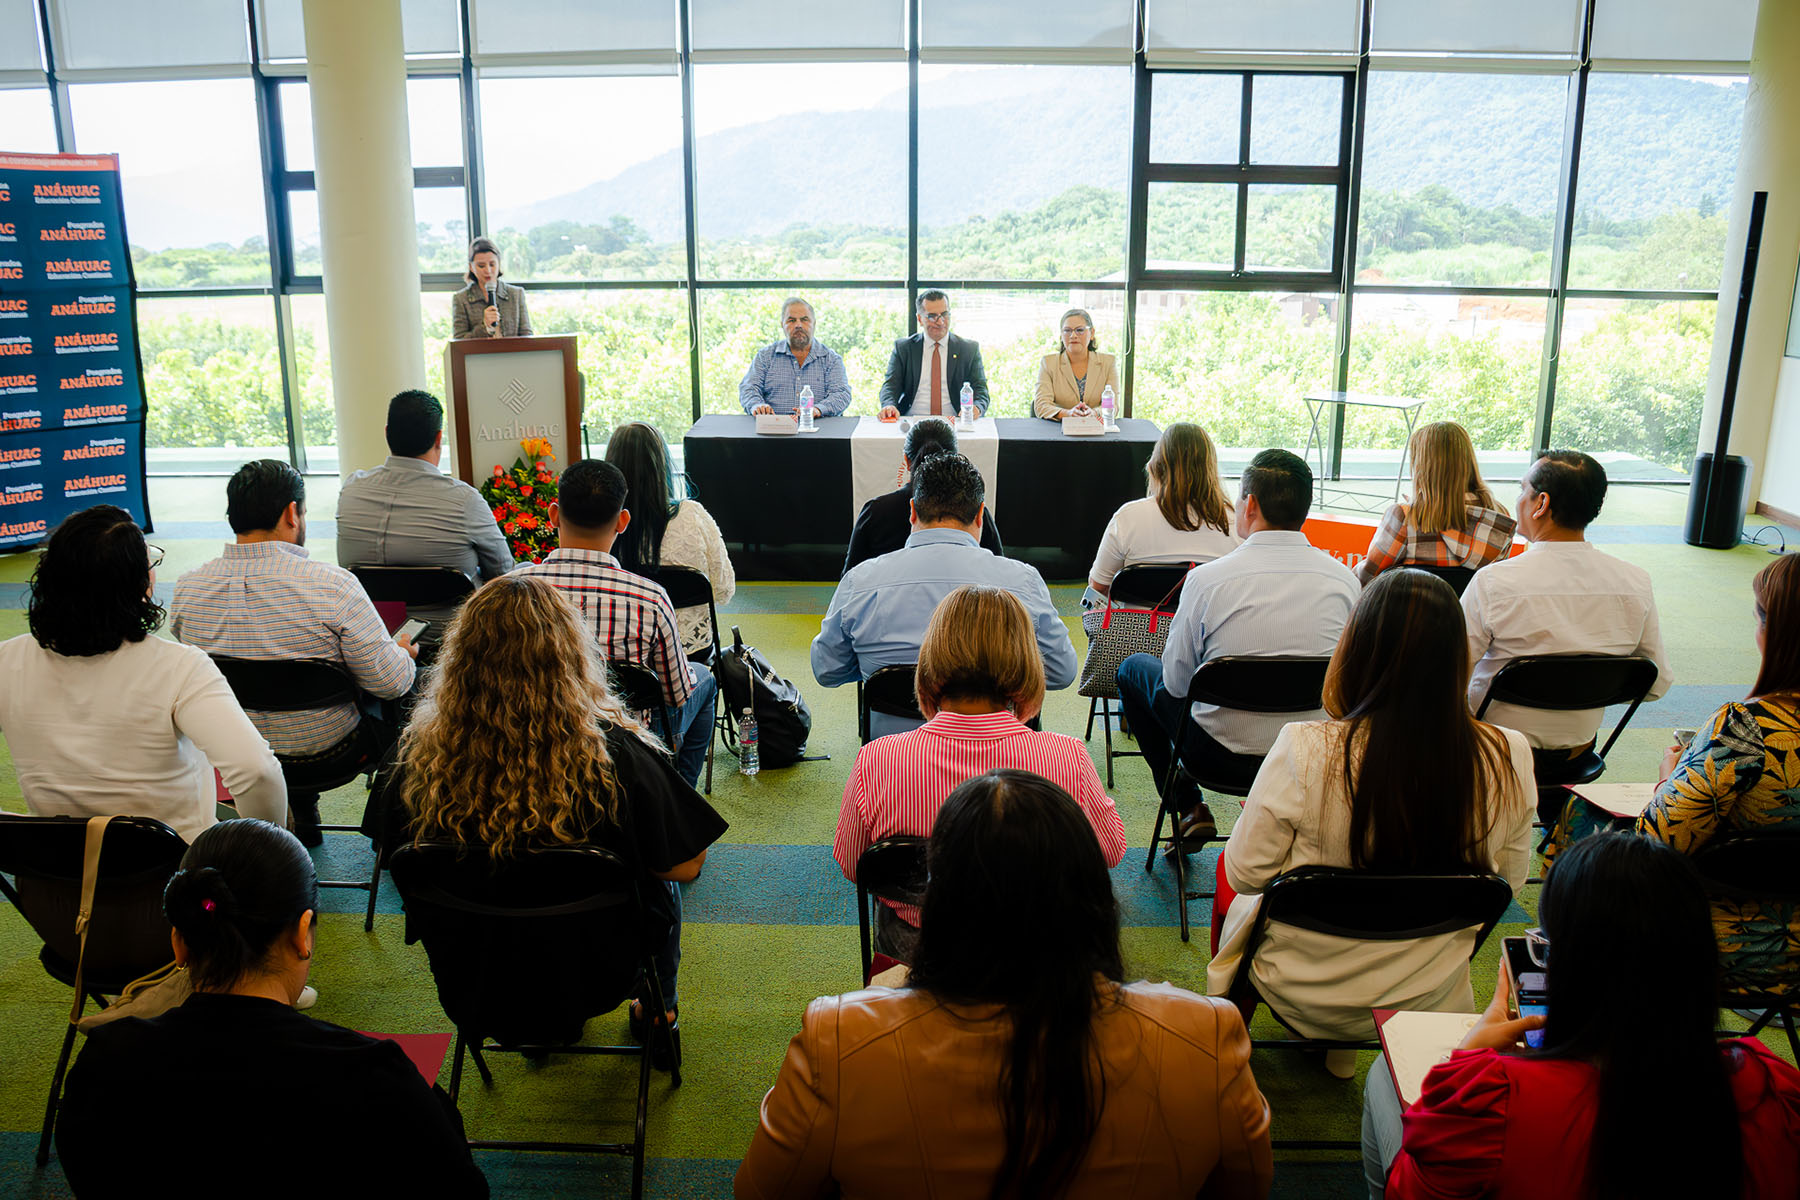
x: 937, y: 379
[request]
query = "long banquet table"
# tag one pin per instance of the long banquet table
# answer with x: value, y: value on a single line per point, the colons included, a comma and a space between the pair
x: 785, y: 503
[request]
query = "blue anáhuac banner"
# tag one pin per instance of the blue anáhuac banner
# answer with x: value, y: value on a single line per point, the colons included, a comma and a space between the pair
x: 71, y: 383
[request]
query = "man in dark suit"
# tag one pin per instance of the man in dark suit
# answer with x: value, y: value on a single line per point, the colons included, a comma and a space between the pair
x: 926, y: 374
x: 886, y: 521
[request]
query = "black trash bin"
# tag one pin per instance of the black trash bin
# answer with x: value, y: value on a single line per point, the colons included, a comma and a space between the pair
x: 1720, y: 526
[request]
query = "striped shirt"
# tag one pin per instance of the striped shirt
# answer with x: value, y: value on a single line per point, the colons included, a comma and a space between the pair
x: 269, y: 601
x: 631, y: 617
x: 899, y: 782
x: 1397, y: 542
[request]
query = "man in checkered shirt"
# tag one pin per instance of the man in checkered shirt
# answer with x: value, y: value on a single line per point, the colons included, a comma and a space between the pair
x: 631, y: 616
x: 265, y: 599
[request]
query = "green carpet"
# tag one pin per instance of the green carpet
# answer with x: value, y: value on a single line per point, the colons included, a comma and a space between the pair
x: 772, y: 923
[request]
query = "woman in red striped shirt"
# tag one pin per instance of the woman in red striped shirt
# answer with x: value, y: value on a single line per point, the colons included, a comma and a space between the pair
x: 980, y: 678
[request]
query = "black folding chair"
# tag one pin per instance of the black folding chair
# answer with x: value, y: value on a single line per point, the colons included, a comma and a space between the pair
x: 1760, y: 867
x: 1457, y: 577
x: 891, y: 869
x: 128, y: 936
x: 1362, y: 907
x: 1569, y: 683
x: 689, y: 588
x: 639, y: 688
x: 890, y: 691
x: 525, y: 951
x: 1274, y: 683
x: 1134, y: 587
x: 296, y: 685
x: 417, y: 586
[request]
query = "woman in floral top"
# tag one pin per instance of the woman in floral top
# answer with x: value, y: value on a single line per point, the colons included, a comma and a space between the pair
x: 1453, y: 519
x: 1741, y: 772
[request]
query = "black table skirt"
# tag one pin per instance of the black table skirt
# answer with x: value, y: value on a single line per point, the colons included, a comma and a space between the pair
x: 783, y: 504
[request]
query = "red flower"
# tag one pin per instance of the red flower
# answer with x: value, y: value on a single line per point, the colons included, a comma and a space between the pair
x: 511, y: 529
x: 499, y: 470
x: 525, y: 489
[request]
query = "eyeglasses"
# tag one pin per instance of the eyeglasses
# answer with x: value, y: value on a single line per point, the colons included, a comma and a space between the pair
x: 1072, y: 330
x: 936, y: 318
x: 156, y: 555
x: 1537, y: 944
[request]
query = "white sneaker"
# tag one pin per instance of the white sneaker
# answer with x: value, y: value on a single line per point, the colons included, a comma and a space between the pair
x: 1341, y: 1063
x: 309, y: 996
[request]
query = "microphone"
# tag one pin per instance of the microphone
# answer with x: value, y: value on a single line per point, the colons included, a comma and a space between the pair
x: 495, y: 326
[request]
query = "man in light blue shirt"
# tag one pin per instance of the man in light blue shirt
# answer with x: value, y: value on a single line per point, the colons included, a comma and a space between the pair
x: 878, y: 616
x: 1275, y: 594
x: 782, y: 368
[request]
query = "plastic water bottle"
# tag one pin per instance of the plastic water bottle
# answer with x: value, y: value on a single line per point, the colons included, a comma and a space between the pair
x: 806, y: 409
x: 965, y: 409
x: 1108, y: 407
x: 749, y: 752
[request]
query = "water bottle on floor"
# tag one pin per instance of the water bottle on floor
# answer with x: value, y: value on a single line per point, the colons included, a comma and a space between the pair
x: 749, y: 755
x: 965, y: 409
x: 806, y: 409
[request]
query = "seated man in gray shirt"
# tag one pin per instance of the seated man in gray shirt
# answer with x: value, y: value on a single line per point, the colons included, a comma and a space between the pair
x: 407, y: 513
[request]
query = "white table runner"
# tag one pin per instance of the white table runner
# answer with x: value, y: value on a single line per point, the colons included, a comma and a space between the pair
x: 878, y: 465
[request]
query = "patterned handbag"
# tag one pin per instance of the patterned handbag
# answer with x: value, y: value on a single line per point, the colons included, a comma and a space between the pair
x: 1115, y: 633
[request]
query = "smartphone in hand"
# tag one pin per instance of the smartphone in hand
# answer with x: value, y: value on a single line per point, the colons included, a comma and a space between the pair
x: 1529, y: 983
x: 411, y: 630
x: 1684, y: 736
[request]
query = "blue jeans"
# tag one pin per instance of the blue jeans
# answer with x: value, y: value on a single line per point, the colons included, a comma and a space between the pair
x: 693, y: 725
x: 1381, y: 1127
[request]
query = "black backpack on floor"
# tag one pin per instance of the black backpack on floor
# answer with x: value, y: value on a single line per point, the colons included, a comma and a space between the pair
x: 783, y: 723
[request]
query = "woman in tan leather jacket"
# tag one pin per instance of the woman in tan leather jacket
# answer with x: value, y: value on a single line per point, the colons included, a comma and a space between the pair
x: 1016, y: 1063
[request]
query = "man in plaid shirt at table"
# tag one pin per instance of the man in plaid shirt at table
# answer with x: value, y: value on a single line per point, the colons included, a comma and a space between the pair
x: 631, y: 616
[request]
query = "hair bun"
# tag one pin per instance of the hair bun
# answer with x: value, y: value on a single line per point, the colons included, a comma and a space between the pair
x: 198, y: 893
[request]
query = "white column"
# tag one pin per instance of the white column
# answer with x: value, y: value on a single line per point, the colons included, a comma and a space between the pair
x: 356, y: 64
x: 1768, y: 160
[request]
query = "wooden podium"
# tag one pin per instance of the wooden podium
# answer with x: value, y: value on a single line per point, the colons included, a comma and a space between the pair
x: 506, y: 389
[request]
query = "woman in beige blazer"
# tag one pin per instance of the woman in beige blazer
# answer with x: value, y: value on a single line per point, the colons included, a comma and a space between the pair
x: 1001, y: 1069
x: 1075, y: 376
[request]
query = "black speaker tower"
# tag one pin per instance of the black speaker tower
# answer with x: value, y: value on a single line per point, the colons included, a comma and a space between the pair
x: 1715, y: 517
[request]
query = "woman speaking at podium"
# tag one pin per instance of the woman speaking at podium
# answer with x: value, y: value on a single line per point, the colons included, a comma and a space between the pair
x: 488, y: 307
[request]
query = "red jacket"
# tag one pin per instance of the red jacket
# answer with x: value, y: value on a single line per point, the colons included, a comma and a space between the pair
x: 1504, y: 1126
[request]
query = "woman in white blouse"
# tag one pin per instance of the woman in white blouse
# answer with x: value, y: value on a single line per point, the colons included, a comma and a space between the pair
x: 1401, y: 781
x: 1183, y: 518
x: 666, y: 531
x: 103, y: 718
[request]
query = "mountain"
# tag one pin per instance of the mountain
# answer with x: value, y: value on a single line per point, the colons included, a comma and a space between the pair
x: 1653, y: 143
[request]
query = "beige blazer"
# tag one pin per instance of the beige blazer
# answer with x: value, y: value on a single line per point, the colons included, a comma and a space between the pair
x: 1056, y: 383
x: 891, y: 1094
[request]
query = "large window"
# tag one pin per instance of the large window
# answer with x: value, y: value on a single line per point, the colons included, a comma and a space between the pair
x: 1021, y: 172
x: 191, y: 176
x: 1236, y: 363
x: 1658, y: 157
x: 26, y: 117
x: 1631, y: 380
x: 212, y: 382
x: 802, y: 170
x: 1460, y: 178
x: 565, y: 207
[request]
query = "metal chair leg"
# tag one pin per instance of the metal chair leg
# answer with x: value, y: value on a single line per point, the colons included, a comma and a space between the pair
x: 1093, y: 703
x: 712, y: 744
x: 862, y: 921
x: 1155, y: 837
x: 1106, y: 724
x: 1181, y: 878
x: 56, y: 1082
x: 374, y: 890
x: 487, y: 1076
x: 456, y: 1068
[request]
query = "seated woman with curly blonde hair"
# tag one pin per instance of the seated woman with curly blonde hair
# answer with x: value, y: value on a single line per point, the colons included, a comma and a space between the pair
x: 518, y: 743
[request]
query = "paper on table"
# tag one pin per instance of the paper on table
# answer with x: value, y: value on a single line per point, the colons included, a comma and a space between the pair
x: 776, y: 423
x: 1415, y: 1042
x: 1620, y: 799
x: 1090, y: 425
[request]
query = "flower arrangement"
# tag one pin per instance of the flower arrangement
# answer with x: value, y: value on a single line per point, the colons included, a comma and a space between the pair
x: 521, y: 498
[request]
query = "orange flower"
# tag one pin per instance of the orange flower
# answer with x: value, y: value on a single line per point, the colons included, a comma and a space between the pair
x: 528, y: 521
